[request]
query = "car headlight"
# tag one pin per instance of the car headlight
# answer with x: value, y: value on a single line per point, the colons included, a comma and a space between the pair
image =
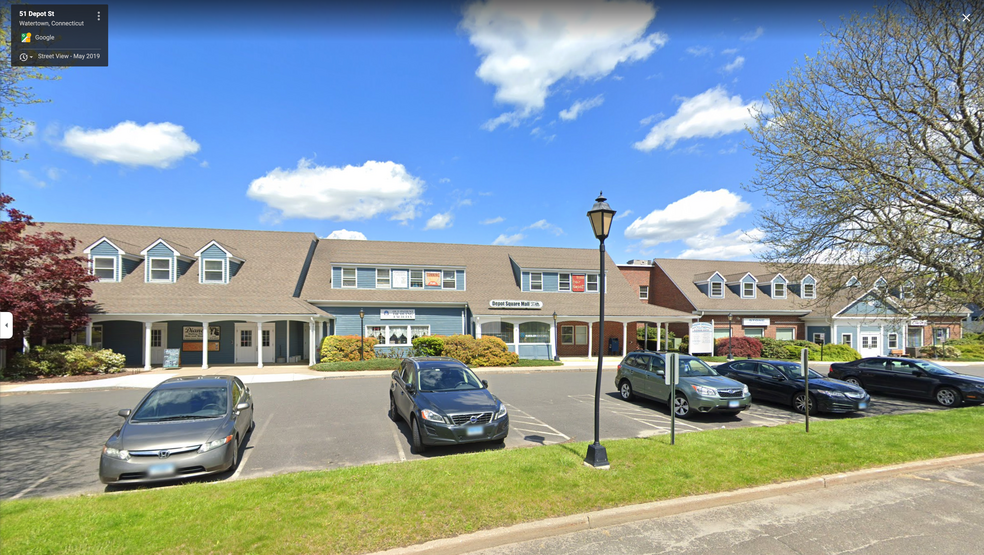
x: 744, y: 391
x: 828, y: 393
x: 705, y: 391
x: 121, y: 454
x: 208, y: 446
x: 501, y: 412
x: 432, y: 416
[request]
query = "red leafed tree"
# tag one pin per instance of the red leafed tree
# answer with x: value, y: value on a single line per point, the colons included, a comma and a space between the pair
x: 42, y: 282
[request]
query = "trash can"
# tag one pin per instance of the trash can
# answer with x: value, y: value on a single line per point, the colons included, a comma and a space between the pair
x: 613, y: 346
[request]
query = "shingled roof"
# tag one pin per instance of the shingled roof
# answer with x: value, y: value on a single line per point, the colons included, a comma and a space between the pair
x: 488, y: 276
x: 264, y: 285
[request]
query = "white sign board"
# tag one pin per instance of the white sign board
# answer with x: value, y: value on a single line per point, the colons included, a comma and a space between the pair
x: 525, y: 305
x: 701, y: 338
x: 194, y: 333
x: 396, y: 314
x: 918, y: 322
x: 400, y: 278
x: 763, y: 322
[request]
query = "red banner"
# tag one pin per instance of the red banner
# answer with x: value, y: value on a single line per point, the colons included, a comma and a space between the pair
x: 577, y: 283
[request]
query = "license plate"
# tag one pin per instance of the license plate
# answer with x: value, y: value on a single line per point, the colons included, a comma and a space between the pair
x: 474, y: 430
x: 862, y: 406
x: 732, y: 404
x: 161, y: 470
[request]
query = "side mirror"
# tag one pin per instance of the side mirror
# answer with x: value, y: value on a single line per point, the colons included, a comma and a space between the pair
x: 394, y: 375
x: 780, y: 378
x: 411, y: 389
x: 660, y: 372
x: 485, y: 383
x: 918, y: 373
x: 243, y: 406
x: 124, y: 413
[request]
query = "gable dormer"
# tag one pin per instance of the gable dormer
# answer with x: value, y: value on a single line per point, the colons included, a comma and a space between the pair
x: 108, y: 261
x: 216, y: 263
x: 163, y: 263
x: 880, y: 283
x: 747, y: 284
x: 854, y: 282
x: 715, y: 283
x: 808, y: 287
x: 779, y: 284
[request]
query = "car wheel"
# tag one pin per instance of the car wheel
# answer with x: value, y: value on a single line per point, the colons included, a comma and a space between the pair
x: 854, y: 381
x: 625, y: 390
x: 418, y: 441
x: 392, y: 411
x: 947, y: 396
x: 800, y: 403
x: 682, y: 406
x: 235, y: 454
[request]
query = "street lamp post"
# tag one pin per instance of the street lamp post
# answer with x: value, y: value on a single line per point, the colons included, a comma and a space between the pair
x: 729, y: 336
x: 362, y: 334
x: 556, y: 337
x: 601, y: 216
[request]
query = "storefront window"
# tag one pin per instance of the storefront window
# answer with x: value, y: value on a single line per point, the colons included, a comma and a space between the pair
x: 534, y: 332
x: 502, y: 330
x: 754, y: 332
x: 567, y: 335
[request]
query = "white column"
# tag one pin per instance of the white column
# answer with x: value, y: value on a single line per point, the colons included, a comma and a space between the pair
x: 147, y: 345
x: 516, y: 336
x: 259, y: 345
x: 288, y: 342
x: 659, y: 331
x: 553, y: 341
x: 625, y: 337
x: 312, y: 358
x: 882, y: 343
x: 88, y: 333
x: 204, y: 345
x: 590, y: 333
x: 478, y: 329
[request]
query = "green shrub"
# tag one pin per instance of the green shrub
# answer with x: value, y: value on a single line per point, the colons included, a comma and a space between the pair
x: 793, y: 351
x: 64, y: 359
x: 348, y: 366
x: 428, y: 346
x: 460, y: 347
x: 972, y: 351
x: 773, y: 349
x: 492, y: 351
x: 939, y: 351
x: 685, y: 344
x: 338, y: 348
x: 839, y: 353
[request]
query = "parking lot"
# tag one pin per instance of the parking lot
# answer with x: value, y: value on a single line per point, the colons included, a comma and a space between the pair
x: 50, y: 443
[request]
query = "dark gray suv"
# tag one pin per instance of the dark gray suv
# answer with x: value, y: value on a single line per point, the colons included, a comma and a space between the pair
x: 445, y: 403
x: 701, y: 388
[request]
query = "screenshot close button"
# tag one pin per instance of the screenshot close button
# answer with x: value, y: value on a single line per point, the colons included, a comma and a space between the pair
x: 6, y: 325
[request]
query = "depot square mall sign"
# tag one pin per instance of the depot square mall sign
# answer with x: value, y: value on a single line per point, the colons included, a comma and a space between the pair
x: 527, y: 305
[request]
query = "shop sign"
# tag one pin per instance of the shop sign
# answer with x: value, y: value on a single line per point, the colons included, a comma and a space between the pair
x: 400, y: 278
x: 701, y: 338
x: 196, y: 346
x: 525, y: 305
x: 432, y: 279
x: 577, y: 283
x: 756, y: 322
x: 396, y: 314
x: 918, y: 323
x: 194, y: 333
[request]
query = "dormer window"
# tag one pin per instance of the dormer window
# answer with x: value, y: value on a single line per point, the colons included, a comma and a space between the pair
x: 104, y: 267
x: 880, y: 282
x: 808, y: 287
x: 592, y: 283
x: 717, y: 289
x: 779, y: 290
x: 382, y: 278
x: 450, y: 280
x: 213, y: 270
x: 854, y: 282
x: 747, y: 290
x: 348, y: 277
x: 160, y: 269
x: 536, y: 281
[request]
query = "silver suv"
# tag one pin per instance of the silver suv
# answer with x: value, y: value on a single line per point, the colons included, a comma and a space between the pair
x: 701, y: 388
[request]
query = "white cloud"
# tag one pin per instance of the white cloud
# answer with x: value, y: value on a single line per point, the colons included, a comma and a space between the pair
x: 341, y: 194
x: 29, y: 177
x: 546, y: 226
x: 620, y: 215
x: 508, y: 239
x: 204, y: 163
x: 346, y: 234
x: 439, y: 221
x: 444, y: 180
x: 527, y: 47
x: 699, y: 51
x: 702, y: 213
x: 729, y: 51
x: 494, y: 220
x: 154, y: 144
x: 54, y: 173
x: 580, y: 107
x: 735, y: 65
x: 709, y: 114
x: 738, y: 244
x: 649, y: 119
x: 752, y: 35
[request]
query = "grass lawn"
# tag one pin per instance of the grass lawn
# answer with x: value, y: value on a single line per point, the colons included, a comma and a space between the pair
x: 524, y: 362
x: 369, y: 508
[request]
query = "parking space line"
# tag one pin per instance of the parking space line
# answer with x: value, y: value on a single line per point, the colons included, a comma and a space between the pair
x: 253, y: 438
x: 535, y: 421
x: 399, y: 444
x: 31, y: 487
x: 626, y: 410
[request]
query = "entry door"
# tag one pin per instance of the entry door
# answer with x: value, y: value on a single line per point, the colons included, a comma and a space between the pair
x: 246, y: 343
x: 869, y: 346
x: 269, y: 342
x: 158, y: 342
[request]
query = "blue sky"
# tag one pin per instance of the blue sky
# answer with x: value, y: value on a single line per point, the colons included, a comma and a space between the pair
x: 475, y: 122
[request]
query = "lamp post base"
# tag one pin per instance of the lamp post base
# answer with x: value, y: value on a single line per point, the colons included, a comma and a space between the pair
x: 597, y: 456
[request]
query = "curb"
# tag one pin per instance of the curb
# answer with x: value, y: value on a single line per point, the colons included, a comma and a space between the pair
x: 551, y: 527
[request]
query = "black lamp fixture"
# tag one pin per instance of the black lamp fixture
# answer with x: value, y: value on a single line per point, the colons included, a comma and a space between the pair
x: 362, y: 334
x: 601, y: 216
x: 729, y: 336
x: 556, y: 337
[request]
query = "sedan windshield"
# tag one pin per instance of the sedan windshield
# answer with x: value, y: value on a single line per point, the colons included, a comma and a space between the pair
x: 794, y: 371
x: 933, y: 369
x: 695, y: 367
x: 448, y: 379
x: 183, y: 404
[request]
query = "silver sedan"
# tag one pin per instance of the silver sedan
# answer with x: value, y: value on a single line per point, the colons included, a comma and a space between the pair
x: 184, y: 427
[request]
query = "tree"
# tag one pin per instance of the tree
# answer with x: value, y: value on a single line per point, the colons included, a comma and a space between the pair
x: 14, y: 91
x: 873, y: 155
x: 41, y: 281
